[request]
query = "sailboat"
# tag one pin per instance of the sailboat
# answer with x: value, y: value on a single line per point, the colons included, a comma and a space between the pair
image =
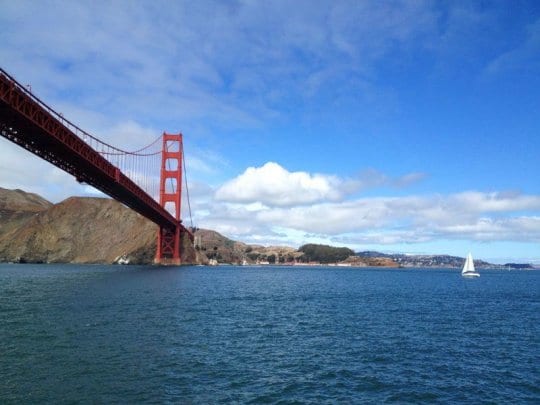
x: 468, y: 268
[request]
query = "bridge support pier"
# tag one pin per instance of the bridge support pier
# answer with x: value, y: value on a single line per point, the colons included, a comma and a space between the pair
x: 168, y: 247
x: 170, y: 197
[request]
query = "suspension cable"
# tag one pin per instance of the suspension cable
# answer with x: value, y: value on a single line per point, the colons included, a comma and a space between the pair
x: 187, y: 188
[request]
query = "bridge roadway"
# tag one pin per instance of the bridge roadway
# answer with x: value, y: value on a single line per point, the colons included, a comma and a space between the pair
x: 30, y: 123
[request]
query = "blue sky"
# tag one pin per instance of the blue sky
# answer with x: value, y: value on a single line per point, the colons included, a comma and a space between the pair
x: 408, y: 126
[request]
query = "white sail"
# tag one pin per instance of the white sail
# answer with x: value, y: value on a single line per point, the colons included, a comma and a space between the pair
x: 468, y: 267
x: 469, y: 264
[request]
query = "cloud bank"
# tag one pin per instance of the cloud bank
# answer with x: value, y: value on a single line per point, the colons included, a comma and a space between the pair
x: 295, y: 207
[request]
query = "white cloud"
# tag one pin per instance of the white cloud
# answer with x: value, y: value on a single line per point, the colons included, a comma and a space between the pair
x: 495, y: 202
x: 269, y: 197
x: 471, y: 215
x: 20, y: 169
x: 272, y: 185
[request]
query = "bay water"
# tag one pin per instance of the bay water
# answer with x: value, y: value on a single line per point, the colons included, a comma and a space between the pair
x: 227, y: 334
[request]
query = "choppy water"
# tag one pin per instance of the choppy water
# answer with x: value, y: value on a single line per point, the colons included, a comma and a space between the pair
x: 111, y: 334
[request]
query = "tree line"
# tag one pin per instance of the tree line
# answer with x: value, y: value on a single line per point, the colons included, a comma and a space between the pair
x: 324, y: 253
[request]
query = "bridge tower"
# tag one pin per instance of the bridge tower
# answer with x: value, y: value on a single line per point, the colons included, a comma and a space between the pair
x: 170, y: 198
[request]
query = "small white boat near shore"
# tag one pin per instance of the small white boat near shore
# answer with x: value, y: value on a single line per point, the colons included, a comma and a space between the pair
x: 124, y: 259
x: 468, y: 268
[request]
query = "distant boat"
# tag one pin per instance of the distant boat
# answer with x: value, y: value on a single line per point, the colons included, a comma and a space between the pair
x: 468, y: 268
x: 122, y: 260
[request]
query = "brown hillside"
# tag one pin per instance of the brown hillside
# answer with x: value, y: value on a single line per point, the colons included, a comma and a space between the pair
x: 21, y: 201
x: 82, y: 230
x: 211, y: 244
x: 17, y: 207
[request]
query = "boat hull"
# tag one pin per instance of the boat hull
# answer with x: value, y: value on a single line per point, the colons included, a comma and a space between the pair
x: 470, y: 275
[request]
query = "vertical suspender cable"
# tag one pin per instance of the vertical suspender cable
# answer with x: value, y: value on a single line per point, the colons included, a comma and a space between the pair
x: 187, y: 189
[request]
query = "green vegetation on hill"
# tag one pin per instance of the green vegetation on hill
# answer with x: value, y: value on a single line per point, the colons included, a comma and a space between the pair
x: 324, y: 253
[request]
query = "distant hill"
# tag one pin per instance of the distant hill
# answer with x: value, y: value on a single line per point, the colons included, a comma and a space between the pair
x: 212, y: 245
x: 519, y: 266
x: 425, y: 260
x: 325, y: 253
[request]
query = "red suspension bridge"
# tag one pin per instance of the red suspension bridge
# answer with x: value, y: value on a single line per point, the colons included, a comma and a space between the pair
x: 148, y: 180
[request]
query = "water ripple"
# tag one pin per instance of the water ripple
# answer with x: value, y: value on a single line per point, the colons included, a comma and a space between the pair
x: 249, y: 335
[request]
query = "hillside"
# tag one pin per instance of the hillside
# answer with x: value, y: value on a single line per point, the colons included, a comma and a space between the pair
x: 213, y: 245
x: 21, y: 201
x: 17, y: 207
x: 76, y: 230
x: 424, y: 260
x: 374, y: 261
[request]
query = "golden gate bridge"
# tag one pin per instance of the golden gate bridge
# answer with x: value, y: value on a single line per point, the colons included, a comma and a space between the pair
x: 148, y: 180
